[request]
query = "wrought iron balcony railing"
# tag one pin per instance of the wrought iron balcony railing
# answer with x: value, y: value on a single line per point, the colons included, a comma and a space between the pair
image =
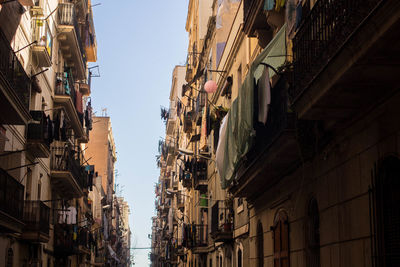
x: 36, y: 217
x: 13, y: 72
x: 66, y: 159
x: 67, y: 16
x: 198, y: 236
x: 322, y: 33
x: 64, y: 242
x: 65, y: 85
x: 38, y: 129
x: 221, y: 222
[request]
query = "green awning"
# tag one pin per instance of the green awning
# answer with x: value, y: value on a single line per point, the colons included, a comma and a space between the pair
x: 239, y: 133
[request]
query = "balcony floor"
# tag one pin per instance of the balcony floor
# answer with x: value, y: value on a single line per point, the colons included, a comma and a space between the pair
x: 10, y: 224
x: 65, y: 184
x: 35, y: 236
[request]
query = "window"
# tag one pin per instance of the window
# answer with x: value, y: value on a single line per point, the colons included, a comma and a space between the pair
x: 239, y: 258
x: 281, y: 240
x: 260, y: 245
x: 388, y: 212
x: 312, y: 234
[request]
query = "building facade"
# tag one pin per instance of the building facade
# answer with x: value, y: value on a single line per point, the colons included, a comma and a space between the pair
x: 51, y: 198
x: 285, y: 150
x: 46, y: 119
x: 113, y: 211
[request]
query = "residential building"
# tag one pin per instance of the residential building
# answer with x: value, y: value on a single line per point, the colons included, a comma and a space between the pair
x: 287, y: 149
x: 45, y: 217
x: 113, y: 214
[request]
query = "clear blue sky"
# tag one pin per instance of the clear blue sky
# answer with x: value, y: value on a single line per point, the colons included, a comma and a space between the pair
x: 139, y: 43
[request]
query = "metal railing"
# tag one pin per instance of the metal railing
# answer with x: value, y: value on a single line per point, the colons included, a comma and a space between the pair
x: 36, y: 216
x: 200, y: 103
x: 198, y: 236
x: 11, y: 195
x: 279, y: 121
x: 67, y: 16
x: 14, y: 72
x: 221, y: 218
x: 38, y: 129
x: 65, y: 159
x: 83, y: 237
x: 65, y: 85
x: 64, y: 243
x: 321, y: 35
x: 199, y: 170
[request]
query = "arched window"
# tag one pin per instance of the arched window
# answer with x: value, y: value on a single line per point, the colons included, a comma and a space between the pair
x: 239, y: 255
x: 388, y: 212
x: 220, y: 258
x: 239, y: 258
x: 312, y: 234
x: 281, y: 240
x: 260, y: 245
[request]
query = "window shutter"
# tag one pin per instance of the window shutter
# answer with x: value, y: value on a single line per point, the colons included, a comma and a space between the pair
x: 281, y: 240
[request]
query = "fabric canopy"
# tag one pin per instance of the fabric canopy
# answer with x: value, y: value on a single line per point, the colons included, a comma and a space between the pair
x: 236, y: 140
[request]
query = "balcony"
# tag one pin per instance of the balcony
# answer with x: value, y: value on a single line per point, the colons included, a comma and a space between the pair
x: 37, y: 8
x: 187, y: 182
x: 83, y: 241
x: 187, y: 123
x: 68, y: 177
x: 171, y: 122
x: 42, y: 49
x: 199, y: 105
x: 65, y: 96
x: 275, y: 150
x: 15, y: 87
x: 37, y: 221
x: 198, y: 243
x: 64, y: 243
x: 70, y: 39
x: 38, y: 143
x: 221, y: 222
x: 346, y: 58
x: 200, y: 175
x: 11, y: 203
x: 256, y: 21
x: 84, y: 88
x: 171, y: 154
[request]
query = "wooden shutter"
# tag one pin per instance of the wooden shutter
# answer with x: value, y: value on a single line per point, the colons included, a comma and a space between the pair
x: 281, y: 240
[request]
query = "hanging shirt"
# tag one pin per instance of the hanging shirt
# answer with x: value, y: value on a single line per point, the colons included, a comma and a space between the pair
x: 71, y: 215
x: 269, y: 5
x: 264, y: 96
